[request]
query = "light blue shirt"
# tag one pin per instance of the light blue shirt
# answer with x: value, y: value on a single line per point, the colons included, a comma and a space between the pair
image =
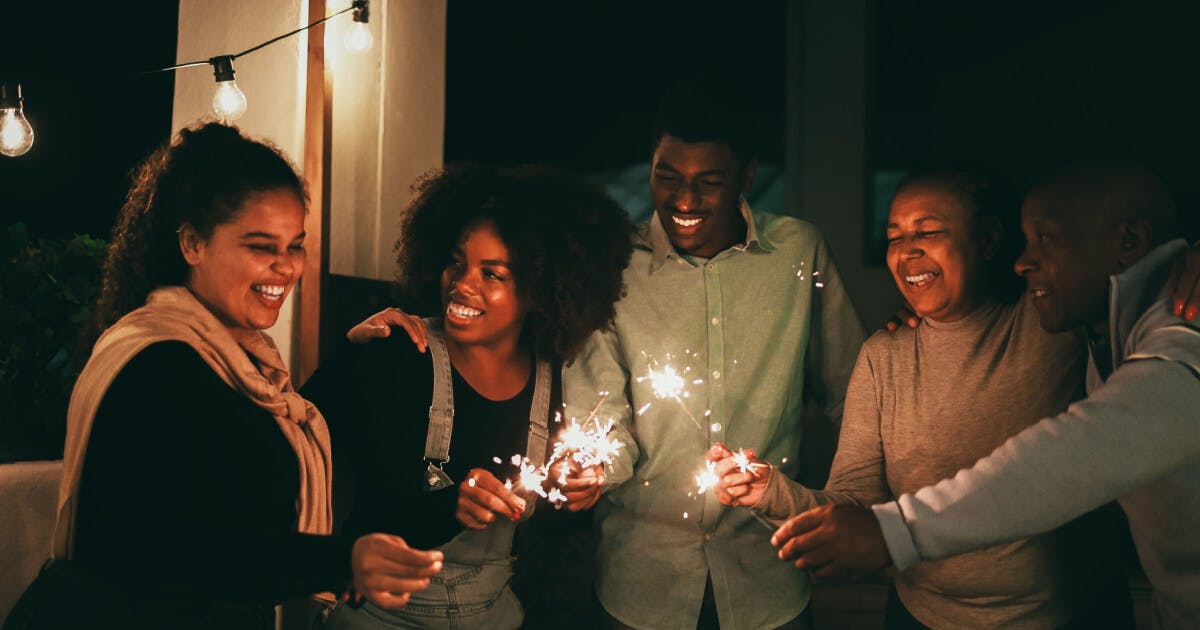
x: 752, y: 332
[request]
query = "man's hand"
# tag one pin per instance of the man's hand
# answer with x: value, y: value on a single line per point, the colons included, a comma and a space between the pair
x: 833, y: 541
x: 904, y: 316
x: 1185, y: 284
x: 581, y: 486
x: 386, y: 571
x: 481, y: 497
x: 380, y: 325
x: 738, y: 487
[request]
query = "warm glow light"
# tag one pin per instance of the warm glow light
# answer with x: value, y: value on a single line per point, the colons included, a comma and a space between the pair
x: 16, y: 136
x: 358, y: 38
x: 229, y: 103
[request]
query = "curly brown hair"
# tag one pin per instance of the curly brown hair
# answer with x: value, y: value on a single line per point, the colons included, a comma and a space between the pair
x: 203, y: 178
x: 568, y: 240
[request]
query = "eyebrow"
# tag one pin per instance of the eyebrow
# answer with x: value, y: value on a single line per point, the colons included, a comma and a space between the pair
x: 920, y: 220
x: 667, y: 167
x: 268, y: 235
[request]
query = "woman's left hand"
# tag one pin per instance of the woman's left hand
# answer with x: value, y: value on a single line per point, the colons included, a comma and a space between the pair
x: 481, y: 497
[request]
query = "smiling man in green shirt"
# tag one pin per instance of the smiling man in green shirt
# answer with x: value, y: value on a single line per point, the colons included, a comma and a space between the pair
x: 748, y: 310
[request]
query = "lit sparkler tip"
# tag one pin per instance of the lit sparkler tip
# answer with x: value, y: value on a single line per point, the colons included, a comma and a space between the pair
x: 707, y: 478
x: 497, y: 460
x: 743, y: 462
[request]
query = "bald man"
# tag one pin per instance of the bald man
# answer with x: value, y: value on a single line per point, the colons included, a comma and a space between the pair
x: 1099, y: 255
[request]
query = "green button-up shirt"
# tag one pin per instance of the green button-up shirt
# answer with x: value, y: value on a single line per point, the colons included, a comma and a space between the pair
x: 752, y: 332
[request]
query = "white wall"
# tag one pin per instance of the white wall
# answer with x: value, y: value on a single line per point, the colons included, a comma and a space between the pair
x: 272, y: 78
x: 388, y: 128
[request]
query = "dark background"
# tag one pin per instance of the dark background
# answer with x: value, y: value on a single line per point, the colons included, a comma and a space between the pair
x: 1022, y: 85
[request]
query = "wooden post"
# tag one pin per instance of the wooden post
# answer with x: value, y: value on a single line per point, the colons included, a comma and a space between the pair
x: 318, y: 126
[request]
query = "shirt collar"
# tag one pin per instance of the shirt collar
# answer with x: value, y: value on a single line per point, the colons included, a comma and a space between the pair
x: 661, y: 248
x: 1134, y: 290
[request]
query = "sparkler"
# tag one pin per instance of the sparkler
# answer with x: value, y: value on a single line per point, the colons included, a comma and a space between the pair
x: 667, y: 383
x: 585, y: 443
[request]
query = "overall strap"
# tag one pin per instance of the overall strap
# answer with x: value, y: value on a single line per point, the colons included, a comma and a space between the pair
x: 539, y: 430
x: 441, y: 408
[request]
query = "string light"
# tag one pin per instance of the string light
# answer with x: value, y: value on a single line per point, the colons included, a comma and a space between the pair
x: 16, y: 135
x: 358, y: 37
x: 229, y: 102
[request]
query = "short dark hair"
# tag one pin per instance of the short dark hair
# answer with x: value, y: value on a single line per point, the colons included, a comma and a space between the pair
x: 568, y: 240
x: 203, y: 178
x: 994, y: 200
x: 706, y: 109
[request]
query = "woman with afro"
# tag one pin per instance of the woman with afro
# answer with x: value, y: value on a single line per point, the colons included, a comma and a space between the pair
x: 514, y: 268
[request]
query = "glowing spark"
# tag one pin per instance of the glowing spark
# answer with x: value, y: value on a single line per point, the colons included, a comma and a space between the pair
x: 666, y: 383
x: 744, y: 464
x: 685, y: 515
x: 819, y: 285
x: 497, y: 460
x: 707, y: 478
x: 471, y: 482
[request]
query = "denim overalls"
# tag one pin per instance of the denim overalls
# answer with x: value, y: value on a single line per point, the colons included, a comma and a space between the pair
x: 471, y: 591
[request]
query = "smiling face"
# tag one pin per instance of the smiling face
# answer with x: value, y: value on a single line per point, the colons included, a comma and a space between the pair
x: 932, y: 252
x: 695, y: 188
x: 1069, y: 254
x: 246, y: 268
x: 479, y: 291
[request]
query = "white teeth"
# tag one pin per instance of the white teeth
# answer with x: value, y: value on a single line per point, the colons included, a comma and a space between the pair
x: 270, y: 291
x: 686, y: 222
x: 458, y: 310
x: 920, y: 278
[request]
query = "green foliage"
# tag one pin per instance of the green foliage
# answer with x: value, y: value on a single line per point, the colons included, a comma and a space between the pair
x: 48, y: 288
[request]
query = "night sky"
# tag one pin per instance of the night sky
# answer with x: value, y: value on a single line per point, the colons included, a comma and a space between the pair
x: 1023, y: 85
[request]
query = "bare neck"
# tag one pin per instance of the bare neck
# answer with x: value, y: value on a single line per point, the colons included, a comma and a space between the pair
x: 497, y: 372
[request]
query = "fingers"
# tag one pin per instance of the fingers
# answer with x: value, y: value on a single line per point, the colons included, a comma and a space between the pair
x: 583, y: 499
x: 386, y: 569
x: 387, y: 601
x: 482, y: 496
x: 413, y: 325
x: 799, y: 524
x: 717, y: 452
x: 1184, y: 285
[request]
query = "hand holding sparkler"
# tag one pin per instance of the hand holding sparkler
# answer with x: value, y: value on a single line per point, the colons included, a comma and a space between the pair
x: 481, y: 497
x: 741, y: 477
x: 581, y: 485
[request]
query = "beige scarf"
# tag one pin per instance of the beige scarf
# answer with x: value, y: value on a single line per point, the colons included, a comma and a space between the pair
x: 250, y: 365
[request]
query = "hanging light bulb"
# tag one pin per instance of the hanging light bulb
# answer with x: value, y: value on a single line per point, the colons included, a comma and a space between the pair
x: 16, y: 136
x: 358, y: 37
x: 229, y: 102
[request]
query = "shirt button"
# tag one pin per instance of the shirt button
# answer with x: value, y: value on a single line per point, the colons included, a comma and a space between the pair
x: 708, y: 536
x: 717, y: 375
x: 716, y: 427
x: 710, y: 266
x: 716, y: 320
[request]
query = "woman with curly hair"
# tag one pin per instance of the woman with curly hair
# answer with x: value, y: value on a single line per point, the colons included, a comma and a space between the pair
x: 196, y: 483
x: 516, y: 268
